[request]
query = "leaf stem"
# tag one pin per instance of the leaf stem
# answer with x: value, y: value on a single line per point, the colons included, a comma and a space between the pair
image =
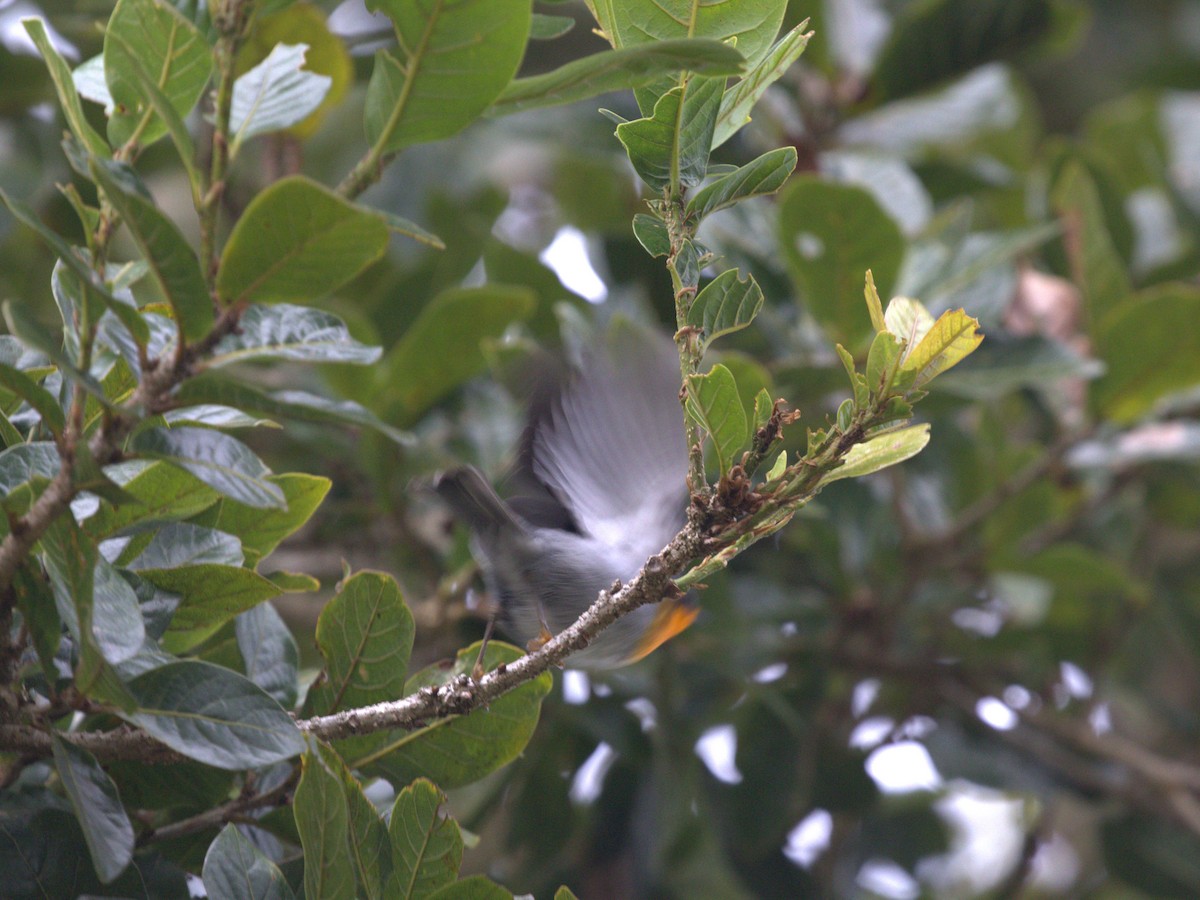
x: 230, y: 20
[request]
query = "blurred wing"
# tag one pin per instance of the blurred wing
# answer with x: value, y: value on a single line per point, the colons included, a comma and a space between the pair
x: 610, y: 445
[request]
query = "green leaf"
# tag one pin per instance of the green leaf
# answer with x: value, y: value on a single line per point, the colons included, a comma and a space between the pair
x: 289, y: 404
x: 764, y: 407
x: 618, y: 70
x: 75, y: 259
x: 98, y: 807
x: 212, y: 415
x: 293, y: 582
x: 163, y: 494
x: 427, y: 845
x: 881, y: 452
x: 547, y: 28
x: 400, y: 225
x: 953, y: 337
x: 24, y: 462
x: 269, y: 652
x: 297, y: 240
x: 881, y: 362
x: 296, y: 333
x: 172, y: 263
x: 875, y: 307
x: 564, y: 893
x: 213, y: 715
x: 908, y: 320
x: 713, y: 401
x: 64, y: 86
x: 727, y: 304
x: 98, y: 607
x: 155, y: 37
x: 211, y: 594
x: 73, y: 297
x: 460, y: 750
x: 365, y: 635
x: 275, y: 94
x: 40, y: 399
x: 237, y: 870
x: 261, y: 531
x: 476, y: 887
x: 830, y: 234
x: 670, y: 148
x: 739, y: 99
x: 36, y: 603
x: 748, y: 26
x: 370, y: 848
x: 934, y: 41
x: 186, y: 543
x: 154, y: 95
x: 1096, y: 266
x: 759, y: 177
x: 453, y: 60
x: 777, y: 469
x: 1151, y: 348
x: 651, y: 233
x: 21, y: 323
x: 220, y: 461
x: 441, y: 349
x: 323, y: 821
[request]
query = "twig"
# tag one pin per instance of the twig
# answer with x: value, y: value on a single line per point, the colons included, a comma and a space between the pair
x: 234, y: 810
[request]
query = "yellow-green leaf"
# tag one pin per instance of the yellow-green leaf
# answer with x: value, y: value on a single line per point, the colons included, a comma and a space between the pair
x: 881, y: 452
x: 953, y: 337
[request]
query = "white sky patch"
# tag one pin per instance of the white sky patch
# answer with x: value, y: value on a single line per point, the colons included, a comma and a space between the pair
x: 986, y: 837
x: 993, y: 712
x: 567, y: 255
x: 1100, y: 718
x: 1018, y: 697
x: 16, y: 39
x: 770, y: 673
x: 903, y: 767
x: 589, y: 778
x: 1055, y: 866
x: 717, y: 749
x: 645, y: 711
x: 810, y: 838
x: 885, y: 878
x: 1075, y: 680
x: 871, y: 732
x: 864, y: 695
x: 576, y: 687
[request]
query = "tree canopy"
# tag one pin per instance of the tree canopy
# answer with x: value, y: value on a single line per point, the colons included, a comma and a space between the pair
x: 932, y: 269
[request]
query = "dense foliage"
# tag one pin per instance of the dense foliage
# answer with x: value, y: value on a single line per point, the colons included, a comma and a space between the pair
x: 267, y: 271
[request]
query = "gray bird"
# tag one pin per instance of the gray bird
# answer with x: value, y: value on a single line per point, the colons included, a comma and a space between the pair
x: 604, y: 464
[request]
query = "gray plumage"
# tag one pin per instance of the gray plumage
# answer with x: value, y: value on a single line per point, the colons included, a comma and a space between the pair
x: 604, y: 464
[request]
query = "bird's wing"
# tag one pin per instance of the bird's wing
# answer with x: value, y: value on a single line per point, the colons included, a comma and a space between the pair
x: 610, y: 445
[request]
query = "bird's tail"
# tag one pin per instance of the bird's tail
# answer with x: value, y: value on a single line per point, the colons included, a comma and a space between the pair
x: 472, y: 499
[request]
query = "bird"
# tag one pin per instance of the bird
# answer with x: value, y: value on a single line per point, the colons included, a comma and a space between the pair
x: 602, y: 471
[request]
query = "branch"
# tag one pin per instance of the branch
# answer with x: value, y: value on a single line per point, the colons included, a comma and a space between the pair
x: 233, y: 811
x: 458, y: 697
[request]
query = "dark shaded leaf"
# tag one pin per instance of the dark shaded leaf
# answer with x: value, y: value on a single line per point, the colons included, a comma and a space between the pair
x: 235, y: 869
x: 213, y: 715
x: 105, y: 825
